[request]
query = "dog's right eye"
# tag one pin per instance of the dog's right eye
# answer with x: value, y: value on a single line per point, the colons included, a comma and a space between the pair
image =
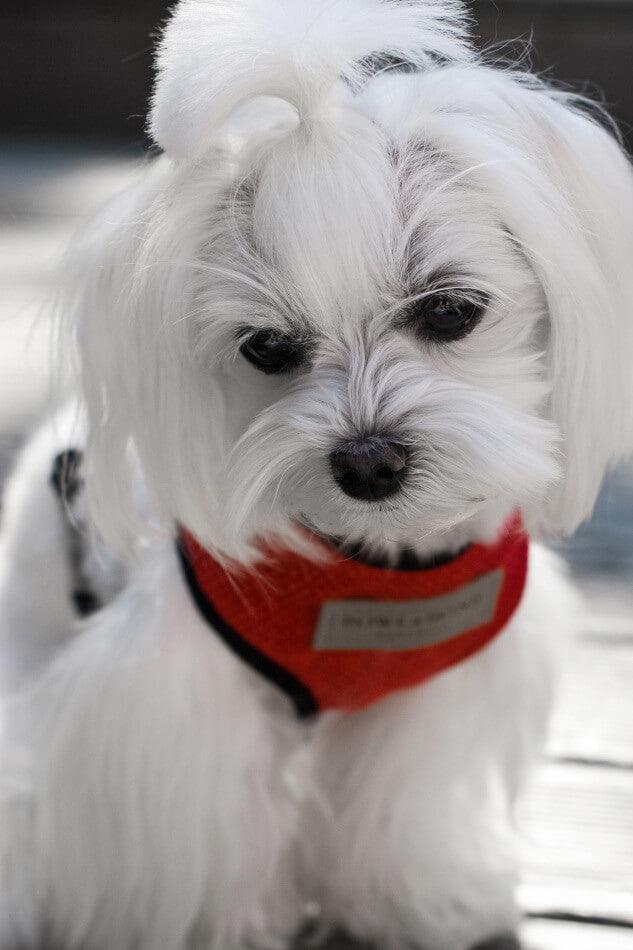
x: 272, y: 352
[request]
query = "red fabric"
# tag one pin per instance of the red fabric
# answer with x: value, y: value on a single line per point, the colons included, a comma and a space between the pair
x: 276, y: 611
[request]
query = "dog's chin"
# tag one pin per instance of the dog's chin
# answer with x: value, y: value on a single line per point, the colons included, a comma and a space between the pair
x: 386, y: 528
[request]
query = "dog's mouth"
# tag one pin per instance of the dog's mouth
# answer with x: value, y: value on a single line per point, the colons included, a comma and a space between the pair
x: 401, y: 558
x: 404, y: 559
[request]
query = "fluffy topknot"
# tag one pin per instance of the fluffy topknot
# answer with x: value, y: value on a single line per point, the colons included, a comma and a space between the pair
x: 215, y: 54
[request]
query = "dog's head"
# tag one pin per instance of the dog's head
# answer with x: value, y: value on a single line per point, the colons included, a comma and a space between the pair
x: 393, y: 304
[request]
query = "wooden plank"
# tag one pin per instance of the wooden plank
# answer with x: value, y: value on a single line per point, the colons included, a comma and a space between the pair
x: 336, y: 942
x: 561, y: 935
x: 608, y: 601
x: 593, y: 719
x: 577, y: 827
x: 535, y: 935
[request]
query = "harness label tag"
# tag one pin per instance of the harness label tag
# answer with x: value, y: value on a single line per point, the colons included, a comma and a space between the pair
x: 407, y: 624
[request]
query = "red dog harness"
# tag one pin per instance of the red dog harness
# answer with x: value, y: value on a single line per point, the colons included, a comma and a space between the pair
x: 344, y: 634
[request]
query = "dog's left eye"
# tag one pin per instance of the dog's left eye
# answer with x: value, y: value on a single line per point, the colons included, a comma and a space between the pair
x: 272, y: 352
x: 444, y: 317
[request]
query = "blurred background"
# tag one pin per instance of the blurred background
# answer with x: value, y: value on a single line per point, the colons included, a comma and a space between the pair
x: 75, y: 78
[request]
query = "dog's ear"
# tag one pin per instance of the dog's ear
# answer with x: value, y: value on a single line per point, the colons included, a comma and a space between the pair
x: 578, y: 234
x: 563, y: 188
x: 134, y: 280
x: 216, y: 54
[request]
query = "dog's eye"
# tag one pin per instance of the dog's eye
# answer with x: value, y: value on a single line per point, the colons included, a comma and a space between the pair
x: 444, y: 317
x: 272, y: 352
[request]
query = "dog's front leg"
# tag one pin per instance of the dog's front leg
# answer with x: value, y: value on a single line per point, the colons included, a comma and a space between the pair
x: 415, y: 846
x: 142, y: 798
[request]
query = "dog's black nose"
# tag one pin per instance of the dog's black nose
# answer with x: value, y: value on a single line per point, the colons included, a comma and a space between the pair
x: 371, y: 468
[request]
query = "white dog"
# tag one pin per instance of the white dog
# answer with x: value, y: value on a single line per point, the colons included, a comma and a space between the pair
x: 373, y: 300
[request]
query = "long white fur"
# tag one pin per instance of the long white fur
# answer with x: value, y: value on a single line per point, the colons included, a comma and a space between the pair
x: 154, y: 792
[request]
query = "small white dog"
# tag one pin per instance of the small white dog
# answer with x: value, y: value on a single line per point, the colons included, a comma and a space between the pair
x: 374, y: 298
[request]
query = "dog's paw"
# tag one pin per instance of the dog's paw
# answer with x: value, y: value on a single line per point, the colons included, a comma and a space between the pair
x: 508, y: 942
x: 65, y: 475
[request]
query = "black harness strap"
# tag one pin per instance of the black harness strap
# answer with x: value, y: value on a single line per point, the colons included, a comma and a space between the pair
x: 304, y: 702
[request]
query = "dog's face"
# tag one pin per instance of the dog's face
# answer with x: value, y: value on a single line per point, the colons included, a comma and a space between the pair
x: 377, y: 336
x: 393, y: 324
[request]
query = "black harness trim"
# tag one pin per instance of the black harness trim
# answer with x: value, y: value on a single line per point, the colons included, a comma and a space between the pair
x: 304, y: 702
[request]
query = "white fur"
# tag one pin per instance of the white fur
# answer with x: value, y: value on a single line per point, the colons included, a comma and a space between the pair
x: 156, y: 793
x: 215, y: 55
x: 36, y: 579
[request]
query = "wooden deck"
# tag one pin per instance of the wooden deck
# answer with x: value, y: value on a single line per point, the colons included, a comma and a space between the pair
x: 577, y: 887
